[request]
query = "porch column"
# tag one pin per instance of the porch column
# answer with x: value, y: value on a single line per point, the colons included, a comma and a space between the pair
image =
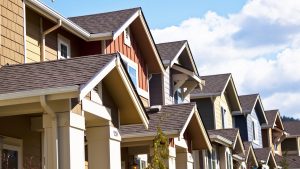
x: 71, y: 144
x: 172, y: 158
x: 184, y: 160
x: 70, y: 141
x: 104, y: 150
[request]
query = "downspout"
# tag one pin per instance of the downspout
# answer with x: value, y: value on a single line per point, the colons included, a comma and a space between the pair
x: 50, y: 111
x: 44, y: 33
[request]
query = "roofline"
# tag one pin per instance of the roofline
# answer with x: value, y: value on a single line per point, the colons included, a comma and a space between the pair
x: 253, y: 153
x: 238, y: 138
x: 219, y: 139
x: 188, y: 72
x: 149, y: 135
x: 235, y: 91
x: 206, y: 95
x: 237, y: 157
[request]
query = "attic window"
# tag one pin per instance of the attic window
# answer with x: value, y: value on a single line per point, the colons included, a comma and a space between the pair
x: 127, y: 37
x: 64, y: 47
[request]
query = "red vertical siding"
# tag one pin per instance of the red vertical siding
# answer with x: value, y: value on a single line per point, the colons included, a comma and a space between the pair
x: 133, y: 53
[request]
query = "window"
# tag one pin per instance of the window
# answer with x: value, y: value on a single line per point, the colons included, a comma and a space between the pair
x: 212, y: 159
x: 178, y: 96
x: 254, y: 125
x: 11, y: 155
x: 223, y: 114
x: 127, y: 40
x: 228, y: 160
x: 132, y: 70
x: 64, y: 47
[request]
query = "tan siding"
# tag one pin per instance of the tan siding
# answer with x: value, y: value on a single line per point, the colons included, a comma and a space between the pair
x: 222, y: 101
x: 12, y: 45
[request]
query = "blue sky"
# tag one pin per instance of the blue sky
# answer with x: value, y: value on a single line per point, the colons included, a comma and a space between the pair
x: 159, y: 13
x: 258, y: 41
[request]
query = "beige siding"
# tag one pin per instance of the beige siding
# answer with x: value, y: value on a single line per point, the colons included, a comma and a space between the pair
x: 11, y: 30
x: 32, y: 36
x: 222, y: 101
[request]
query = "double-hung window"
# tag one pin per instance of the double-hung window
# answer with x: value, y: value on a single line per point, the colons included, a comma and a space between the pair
x: 11, y: 154
x: 63, y: 47
x: 228, y: 160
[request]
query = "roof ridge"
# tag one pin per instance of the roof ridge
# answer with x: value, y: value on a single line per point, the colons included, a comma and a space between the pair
x: 59, y: 60
x: 171, y: 42
x: 135, y: 8
x: 272, y: 110
x: 257, y: 94
x: 217, y: 74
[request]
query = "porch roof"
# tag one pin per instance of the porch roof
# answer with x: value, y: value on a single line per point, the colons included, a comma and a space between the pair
x: 264, y: 155
x: 51, y: 74
x: 249, y: 151
x: 274, y: 119
x: 293, y: 161
x: 292, y: 127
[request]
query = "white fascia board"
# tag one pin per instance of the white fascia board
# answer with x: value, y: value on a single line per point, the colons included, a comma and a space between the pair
x: 177, y: 55
x: 191, y: 58
x: 191, y: 74
x: 126, y: 24
x: 132, y: 94
x: 85, y: 89
x: 96, y: 109
x: 38, y: 92
x: 187, y: 123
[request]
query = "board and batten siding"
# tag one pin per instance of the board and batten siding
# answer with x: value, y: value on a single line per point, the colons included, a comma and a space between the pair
x: 222, y: 101
x: 11, y: 32
x: 134, y: 53
x: 253, y: 115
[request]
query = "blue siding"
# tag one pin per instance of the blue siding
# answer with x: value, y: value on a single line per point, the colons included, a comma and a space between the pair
x: 251, y: 116
x: 240, y: 123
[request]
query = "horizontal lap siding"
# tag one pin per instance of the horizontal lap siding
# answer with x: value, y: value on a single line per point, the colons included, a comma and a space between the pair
x: 205, y: 108
x: 253, y: 115
x: 222, y: 101
x: 11, y: 32
x: 134, y: 54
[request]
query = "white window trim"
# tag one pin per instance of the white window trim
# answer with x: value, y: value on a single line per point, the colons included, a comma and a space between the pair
x: 127, y: 41
x: 224, y: 115
x: 14, y: 145
x: 256, y: 140
x: 140, y: 91
x: 228, y: 152
x: 63, y: 40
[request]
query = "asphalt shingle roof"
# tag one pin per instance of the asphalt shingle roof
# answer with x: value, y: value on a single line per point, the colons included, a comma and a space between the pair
x: 169, y: 118
x: 248, y: 102
x: 271, y: 116
x: 292, y: 127
x: 104, y: 22
x: 229, y: 134
x: 262, y: 153
x: 213, y: 84
x: 51, y: 74
x: 169, y: 50
x: 292, y: 160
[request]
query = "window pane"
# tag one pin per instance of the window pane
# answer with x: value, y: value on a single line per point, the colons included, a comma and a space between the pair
x: 133, y: 75
x: 9, y: 159
x: 63, y: 51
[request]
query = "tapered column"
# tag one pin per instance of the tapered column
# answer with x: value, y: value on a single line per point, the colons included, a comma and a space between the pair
x: 184, y: 160
x: 104, y: 150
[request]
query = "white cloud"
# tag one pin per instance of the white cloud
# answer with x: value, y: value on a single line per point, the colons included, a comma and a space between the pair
x: 260, y: 45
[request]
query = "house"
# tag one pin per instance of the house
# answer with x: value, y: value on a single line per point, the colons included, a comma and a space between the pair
x: 266, y: 158
x: 250, y: 157
x: 273, y: 133
x: 182, y: 125
x: 179, y: 78
x: 54, y: 113
x: 252, y: 118
x: 228, y: 150
x: 217, y: 101
x: 291, y: 144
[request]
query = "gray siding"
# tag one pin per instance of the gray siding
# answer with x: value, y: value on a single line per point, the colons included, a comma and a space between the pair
x: 205, y: 108
x: 251, y: 116
x: 156, y: 90
x: 168, y: 87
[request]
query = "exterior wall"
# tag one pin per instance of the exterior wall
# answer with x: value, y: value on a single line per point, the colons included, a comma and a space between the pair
x: 155, y: 90
x: 11, y: 32
x: 20, y: 127
x: 222, y: 101
x: 167, y: 87
x: 253, y: 115
x: 134, y: 54
x: 290, y: 146
x: 205, y: 108
x: 33, y: 39
x: 240, y: 122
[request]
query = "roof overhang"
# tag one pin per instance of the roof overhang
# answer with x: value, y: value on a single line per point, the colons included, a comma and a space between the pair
x: 252, y: 153
x: 149, y: 136
x: 13, y: 101
x: 232, y: 94
x: 221, y: 140
x: 238, y: 158
x: 238, y: 144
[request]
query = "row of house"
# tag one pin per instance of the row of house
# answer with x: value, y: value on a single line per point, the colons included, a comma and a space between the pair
x: 90, y: 92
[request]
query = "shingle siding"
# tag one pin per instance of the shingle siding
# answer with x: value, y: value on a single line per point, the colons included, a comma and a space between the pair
x: 251, y: 116
x: 205, y: 108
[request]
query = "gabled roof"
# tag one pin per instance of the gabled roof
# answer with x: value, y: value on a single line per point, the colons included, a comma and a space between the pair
x: 265, y: 154
x: 79, y: 75
x: 273, y: 117
x: 216, y: 85
x: 249, y: 151
x: 174, y: 120
x: 292, y: 127
x: 170, y: 52
x: 232, y: 135
x: 104, y: 22
x: 292, y: 160
x: 250, y: 102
